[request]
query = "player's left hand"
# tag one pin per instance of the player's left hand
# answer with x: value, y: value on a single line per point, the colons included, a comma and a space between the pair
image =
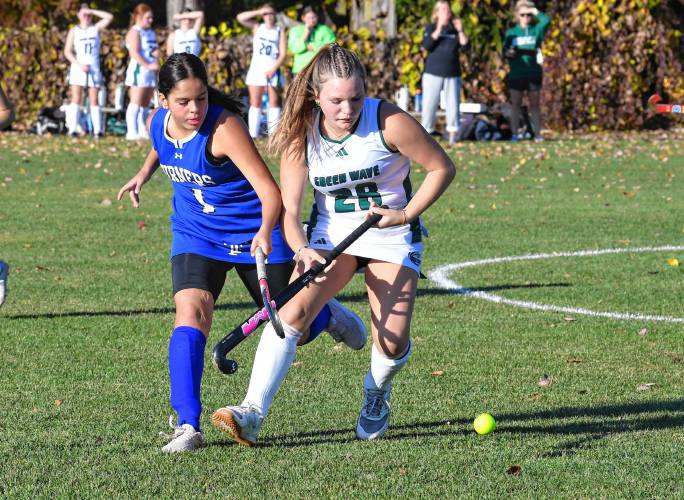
x: 390, y: 217
x: 270, y: 73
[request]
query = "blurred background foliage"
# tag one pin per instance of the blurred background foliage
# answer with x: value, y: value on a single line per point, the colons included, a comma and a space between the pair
x: 603, y: 58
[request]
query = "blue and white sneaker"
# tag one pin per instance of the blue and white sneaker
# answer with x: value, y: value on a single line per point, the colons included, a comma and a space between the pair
x: 183, y: 438
x: 4, y: 273
x: 239, y: 423
x: 374, y: 418
x: 346, y: 326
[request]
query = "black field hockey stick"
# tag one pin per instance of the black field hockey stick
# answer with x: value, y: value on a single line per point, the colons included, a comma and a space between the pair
x: 269, y: 305
x: 230, y: 341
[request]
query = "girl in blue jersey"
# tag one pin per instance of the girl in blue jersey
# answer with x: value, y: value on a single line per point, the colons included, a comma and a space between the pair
x: 356, y: 153
x: 225, y: 205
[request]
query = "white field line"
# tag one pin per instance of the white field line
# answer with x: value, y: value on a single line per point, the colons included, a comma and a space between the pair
x: 440, y: 276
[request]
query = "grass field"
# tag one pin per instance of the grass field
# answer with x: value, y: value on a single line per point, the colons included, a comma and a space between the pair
x: 84, y: 332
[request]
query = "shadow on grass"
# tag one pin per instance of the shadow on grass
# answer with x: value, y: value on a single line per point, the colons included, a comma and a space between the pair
x: 355, y: 297
x: 125, y: 312
x: 584, y: 425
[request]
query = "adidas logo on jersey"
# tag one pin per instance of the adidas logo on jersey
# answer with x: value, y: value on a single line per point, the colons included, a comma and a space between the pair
x: 341, y: 153
x: 320, y: 241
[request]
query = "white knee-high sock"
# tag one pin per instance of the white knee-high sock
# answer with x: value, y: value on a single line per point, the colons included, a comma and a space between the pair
x: 96, y: 118
x: 271, y: 363
x: 132, y: 121
x: 383, y: 369
x: 143, y: 113
x: 273, y: 117
x: 254, y: 121
x: 73, y: 112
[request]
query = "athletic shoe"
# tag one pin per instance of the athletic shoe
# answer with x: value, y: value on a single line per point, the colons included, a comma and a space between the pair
x: 183, y: 438
x: 4, y: 272
x: 539, y: 138
x: 239, y: 423
x: 346, y: 326
x: 374, y: 418
x: 515, y: 138
x: 132, y: 137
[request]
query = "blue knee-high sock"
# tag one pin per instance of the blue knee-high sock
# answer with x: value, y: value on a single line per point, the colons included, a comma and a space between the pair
x: 320, y: 323
x: 186, y: 364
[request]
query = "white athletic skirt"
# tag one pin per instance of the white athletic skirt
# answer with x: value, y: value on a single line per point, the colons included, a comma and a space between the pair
x: 139, y: 76
x: 392, y: 244
x: 79, y: 77
x: 256, y: 77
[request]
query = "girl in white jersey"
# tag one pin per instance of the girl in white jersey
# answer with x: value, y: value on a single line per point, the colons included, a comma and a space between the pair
x: 141, y: 74
x: 82, y: 50
x: 269, y: 49
x: 356, y: 152
x: 186, y: 37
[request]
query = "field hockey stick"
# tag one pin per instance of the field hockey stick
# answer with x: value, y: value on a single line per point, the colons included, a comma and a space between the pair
x: 230, y: 341
x: 266, y: 294
x: 664, y: 108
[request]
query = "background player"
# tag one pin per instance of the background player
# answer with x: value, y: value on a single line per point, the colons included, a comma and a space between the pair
x: 141, y: 74
x: 268, y: 54
x: 82, y: 50
x: 187, y: 37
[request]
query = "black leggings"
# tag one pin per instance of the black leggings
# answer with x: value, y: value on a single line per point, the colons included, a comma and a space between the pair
x: 189, y: 270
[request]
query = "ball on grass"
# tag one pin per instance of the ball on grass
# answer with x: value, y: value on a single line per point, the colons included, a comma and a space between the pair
x: 484, y: 424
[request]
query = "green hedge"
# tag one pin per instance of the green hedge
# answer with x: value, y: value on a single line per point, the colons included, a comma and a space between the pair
x: 603, y: 59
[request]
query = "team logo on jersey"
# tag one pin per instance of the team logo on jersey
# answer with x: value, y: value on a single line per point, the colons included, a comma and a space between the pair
x: 415, y: 257
x: 341, y: 153
x: 320, y: 241
x: 178, y: 156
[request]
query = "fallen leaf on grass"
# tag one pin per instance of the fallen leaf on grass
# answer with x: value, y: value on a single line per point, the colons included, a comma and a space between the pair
x: 514, y: 470
x: 545, y: 381
x: 536, y: 396
x: 41, y: 268
x: 673, y: 262
x: 437, y: 373
x: 58, y: 402
x: 141, y: 225
x: 675, y: 357
x: 569, y: 318
x: 106, y: 202
x: 629, y: 194
x: 402, y: 471
x: 297, y: 364
x: 645, y: 387
x: 575, y: 361
x: 643, y: 332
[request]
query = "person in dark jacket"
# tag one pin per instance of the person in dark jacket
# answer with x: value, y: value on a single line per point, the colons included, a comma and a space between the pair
x: 442, y: 40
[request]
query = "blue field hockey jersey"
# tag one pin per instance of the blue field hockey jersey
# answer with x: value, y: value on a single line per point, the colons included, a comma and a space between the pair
x: 216, y: 212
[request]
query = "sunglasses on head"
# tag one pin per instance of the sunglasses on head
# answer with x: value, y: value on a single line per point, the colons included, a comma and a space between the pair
x: 525, y: 14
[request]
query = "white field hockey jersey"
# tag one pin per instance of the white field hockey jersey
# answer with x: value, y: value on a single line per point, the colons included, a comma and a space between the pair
x: 350, y: 173
x: 265, y: 46
x: 186, y: 41
x: 87, y: 45
x: 148, y: 44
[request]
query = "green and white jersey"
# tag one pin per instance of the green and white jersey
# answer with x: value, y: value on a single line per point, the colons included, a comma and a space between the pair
x: 87, y: 45
x: 350, y: 173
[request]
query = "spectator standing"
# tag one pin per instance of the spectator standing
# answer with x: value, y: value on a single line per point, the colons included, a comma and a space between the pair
x: 187, y: 37
x: 82, y: 50
x: 443, y: 39
x: 306, y: 39
x: 522, y: 48
x: 268, y: 54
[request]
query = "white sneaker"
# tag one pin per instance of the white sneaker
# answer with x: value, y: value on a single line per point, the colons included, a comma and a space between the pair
x: 346, y: 326
x: 4, y: 273
x: 239, y: 423
x: 183, y: 438
x: 374, y: 418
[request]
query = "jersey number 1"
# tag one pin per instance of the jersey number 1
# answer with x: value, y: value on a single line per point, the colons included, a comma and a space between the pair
x: 206, y: 208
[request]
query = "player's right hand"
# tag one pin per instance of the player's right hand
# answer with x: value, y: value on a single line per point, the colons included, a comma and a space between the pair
x: 133, y: 187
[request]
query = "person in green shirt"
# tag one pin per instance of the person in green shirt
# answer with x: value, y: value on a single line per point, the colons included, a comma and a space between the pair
x: 306, y: 39
x: 522, y: 49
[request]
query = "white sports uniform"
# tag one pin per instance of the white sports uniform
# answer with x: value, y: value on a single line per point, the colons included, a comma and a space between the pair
x: 186, y: 41
x: 347, y: 175
x: 265, y: 52
x: 87, y: 50
x: 137, y: 75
